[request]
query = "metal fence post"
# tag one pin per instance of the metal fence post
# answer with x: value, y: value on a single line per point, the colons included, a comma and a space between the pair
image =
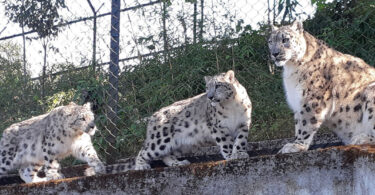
x: 113, y: 79
x: 165, y: 38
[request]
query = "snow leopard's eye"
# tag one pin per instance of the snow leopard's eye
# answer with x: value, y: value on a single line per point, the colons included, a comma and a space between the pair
x: 285, y: 40
x: 83, y: 119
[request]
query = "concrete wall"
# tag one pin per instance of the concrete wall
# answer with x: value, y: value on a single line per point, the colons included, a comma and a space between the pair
x: 334, y: 170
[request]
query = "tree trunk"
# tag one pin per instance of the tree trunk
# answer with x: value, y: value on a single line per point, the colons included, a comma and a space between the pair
x: 201, y: 22
x: 24, y: 51
x: 45, y: 43
x: 94, y: 37
x: 274, y: 11
x: 195, y: 23
x: 269, y: 13
x: 165, y: 38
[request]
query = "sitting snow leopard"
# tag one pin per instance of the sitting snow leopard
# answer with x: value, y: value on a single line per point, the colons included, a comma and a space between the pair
x: 221, y: 115
x: 323, y: 85
x: 36, y: 144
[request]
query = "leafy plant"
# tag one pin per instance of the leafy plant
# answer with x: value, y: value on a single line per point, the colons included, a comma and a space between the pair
x: 41, y: 16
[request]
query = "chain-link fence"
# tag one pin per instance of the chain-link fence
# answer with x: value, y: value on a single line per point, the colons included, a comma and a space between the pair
x: 130, y: 58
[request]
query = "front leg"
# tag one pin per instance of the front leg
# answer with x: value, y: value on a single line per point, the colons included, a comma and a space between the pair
x: 240, y: 143
x: 53, y: 171
x: 50, y: 166
x: 84, y: 150
x: 223, y: 140
x: 172, y: 161
x: 307, y: 123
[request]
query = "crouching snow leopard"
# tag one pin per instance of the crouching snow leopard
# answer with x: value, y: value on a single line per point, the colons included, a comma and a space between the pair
x: 323, y: 85
x: 36, y: 144
x: 221, y: 115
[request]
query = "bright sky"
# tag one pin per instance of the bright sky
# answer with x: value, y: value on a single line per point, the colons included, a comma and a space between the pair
x: 74, y: 43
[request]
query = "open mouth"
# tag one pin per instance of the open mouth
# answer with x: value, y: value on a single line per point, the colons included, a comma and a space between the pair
x: 91, y: 131
x: 280, y: 59
x: 214, y: 100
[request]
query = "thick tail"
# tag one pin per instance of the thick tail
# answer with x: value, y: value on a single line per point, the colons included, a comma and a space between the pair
x: 127, y: 165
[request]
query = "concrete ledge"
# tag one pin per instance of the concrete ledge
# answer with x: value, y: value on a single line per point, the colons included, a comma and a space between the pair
x: 333, y: 170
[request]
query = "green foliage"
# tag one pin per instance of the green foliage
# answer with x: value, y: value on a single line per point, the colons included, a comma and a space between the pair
x: 288, y: 8
x: 348, y: 26
x: 59, y: 98
x: 13, y: 91
x: 41, y: 16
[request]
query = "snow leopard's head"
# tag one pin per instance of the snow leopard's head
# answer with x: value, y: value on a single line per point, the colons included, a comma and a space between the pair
x: 220, y: 88
x: 287, y: 43
x: 78, y: 118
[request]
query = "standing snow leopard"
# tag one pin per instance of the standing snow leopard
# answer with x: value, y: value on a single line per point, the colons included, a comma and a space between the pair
x: 221, y: 115
x: 323, y: 85
x: 36, y: 144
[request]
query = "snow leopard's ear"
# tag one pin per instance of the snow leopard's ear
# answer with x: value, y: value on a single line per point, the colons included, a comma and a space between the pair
x: 297, y: 26
x: 207, y: 79
x: 88, y: 105
x: 64, y: 110
x: 230, y: 76
x: 72, y: 104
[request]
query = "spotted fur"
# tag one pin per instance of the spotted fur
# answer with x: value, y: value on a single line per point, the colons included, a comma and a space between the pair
x: 323, y: 86
x: 35, y: 145
x: 221, y: 115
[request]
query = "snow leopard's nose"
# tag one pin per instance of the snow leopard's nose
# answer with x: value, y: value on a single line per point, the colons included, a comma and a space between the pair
x: 92, y: 125
x: 210, y: 96
x: 210, y: 93
x: 276, y: 54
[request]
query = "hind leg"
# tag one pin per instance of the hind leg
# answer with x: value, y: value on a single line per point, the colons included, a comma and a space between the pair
x: 366, y: 122
x: 29, y: 174
x: 7, y: 157
x: 154, y: 151
x: 4, y: 169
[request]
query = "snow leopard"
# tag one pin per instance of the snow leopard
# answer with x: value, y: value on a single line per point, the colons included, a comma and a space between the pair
x: 35, y: 145
x: 323, y: 86
x: 221, y: 115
